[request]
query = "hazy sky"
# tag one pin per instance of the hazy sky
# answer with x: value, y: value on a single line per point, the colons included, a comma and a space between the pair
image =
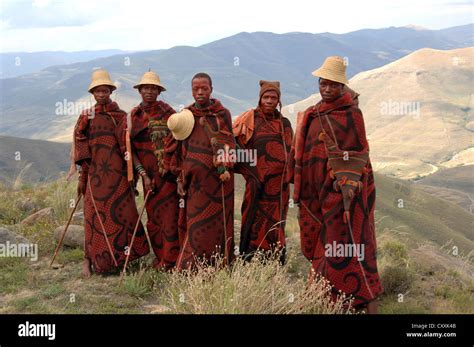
x: 40, y: 25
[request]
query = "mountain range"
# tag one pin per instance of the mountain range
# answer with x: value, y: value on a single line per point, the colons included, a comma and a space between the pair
x: 29, y: 103
x: 13, y: 64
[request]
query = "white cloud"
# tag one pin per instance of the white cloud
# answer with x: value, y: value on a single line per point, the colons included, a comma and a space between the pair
x: 142, y: 25
x: 45, y: 13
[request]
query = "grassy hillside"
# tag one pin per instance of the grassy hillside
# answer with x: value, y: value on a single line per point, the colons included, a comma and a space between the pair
x: 452, y: 184
x: 457, y: 178
x: 31, y: 160
x: 420, y: 271
x: 423, y: 216
x: 419, y: 276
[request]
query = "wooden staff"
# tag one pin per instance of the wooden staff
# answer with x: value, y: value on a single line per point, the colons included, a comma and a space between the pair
x: 283, y: 178
x: 65, y: 229
x: 359, y: 261
x: 148, y: 237
x: 226, y: 252
x: 133, y: 238
x: 101, y: 224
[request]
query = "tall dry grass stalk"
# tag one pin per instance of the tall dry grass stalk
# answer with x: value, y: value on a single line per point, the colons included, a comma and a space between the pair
x: 261, y: 286
x: 18, y: 182
x: 61, y: 197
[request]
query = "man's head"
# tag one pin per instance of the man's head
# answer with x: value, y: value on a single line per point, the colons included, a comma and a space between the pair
x: 270, y: 95
x: 102, y: 94
x: 150, y: 86
x: 149, y: 92
x: 101, y: 86
x: 332, y: 78
x: 201, y: 85
x: 330, y: 90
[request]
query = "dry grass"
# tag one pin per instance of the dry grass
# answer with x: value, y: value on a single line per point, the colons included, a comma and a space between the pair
x: 432, y: 280
x: 18, y: 182
x: 260, y: 286
x: 61, y: 197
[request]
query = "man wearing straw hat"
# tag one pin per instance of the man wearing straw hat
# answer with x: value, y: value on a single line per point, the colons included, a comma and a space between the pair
x: 110, y: 212
x: 206, y: 182
x: 334, y: 186
x: 149, y: 135
x: 267, y: 191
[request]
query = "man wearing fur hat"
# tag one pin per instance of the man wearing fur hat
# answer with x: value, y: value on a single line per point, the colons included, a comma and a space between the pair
x: 334, y: 186
x: 265, y: 202
x: 110, y: 212
x: 149, y: 136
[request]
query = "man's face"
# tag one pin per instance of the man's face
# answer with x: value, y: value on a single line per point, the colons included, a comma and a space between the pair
x: 101, y: 94
x: 149, y: 92
x: 202, y: 90
x: 269, y: 102
x: 330, y: 90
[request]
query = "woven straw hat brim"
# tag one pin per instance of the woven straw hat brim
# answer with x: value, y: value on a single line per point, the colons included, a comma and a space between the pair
x: 150, y: 78
x: 101, y: 78
x: 181, y: 124
x: 104, y: 82
x: 330, y: 76
x: 332, y: 69
x: 154, y: 84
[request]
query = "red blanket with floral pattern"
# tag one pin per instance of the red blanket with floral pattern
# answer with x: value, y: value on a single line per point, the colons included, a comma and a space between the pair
x: 344, y: 253
x: 265, y: 202
x: 108, y: 195
x: 149, y: 135
x: 207, y: 219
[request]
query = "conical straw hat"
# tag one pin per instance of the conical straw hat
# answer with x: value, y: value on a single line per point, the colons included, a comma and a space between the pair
x: 334, y: 69
x: 181, y: 124
x: 101, y: 78
x: 150, y: 77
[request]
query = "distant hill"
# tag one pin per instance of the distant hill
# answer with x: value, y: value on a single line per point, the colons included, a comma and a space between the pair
x: 452, y: 184
x: 40, y: 161
x: 418, y: 111
x: 236, y: 64
x: 459, y: 178
x: 418, y: 216
x: 15, y: 64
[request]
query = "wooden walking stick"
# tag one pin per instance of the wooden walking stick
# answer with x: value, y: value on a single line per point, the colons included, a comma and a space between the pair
x: 224, y: 174
x: 283, y: 178
x: 129, y: 160
x: 148, y: 237
x: 65, y: 229
x: 101, y: 224
x: 226, y: 252
x: 133, y: 238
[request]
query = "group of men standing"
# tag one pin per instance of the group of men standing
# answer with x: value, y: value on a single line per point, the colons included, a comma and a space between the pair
x: 185, y: 163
